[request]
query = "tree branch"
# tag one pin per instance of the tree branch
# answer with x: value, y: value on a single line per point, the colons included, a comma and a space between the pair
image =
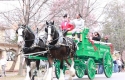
x: 38, y: 8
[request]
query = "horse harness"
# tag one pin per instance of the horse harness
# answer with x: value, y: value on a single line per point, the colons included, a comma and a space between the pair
x: 68, y: 46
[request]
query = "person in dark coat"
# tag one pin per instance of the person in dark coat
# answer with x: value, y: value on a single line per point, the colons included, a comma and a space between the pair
x: 96, y: 36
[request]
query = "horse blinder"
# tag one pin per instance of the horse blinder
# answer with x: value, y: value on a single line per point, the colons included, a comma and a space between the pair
x: 46, y: 30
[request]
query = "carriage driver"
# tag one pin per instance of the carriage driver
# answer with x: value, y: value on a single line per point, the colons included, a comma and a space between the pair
x: 66, y: 25
x: 79, y: 26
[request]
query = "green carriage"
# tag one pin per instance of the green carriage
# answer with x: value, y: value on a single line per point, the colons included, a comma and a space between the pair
x: 91, y: 53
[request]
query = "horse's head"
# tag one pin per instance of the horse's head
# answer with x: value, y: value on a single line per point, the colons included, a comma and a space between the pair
x: 20, y: 32
x: 50, y: 30
x: 23, y: 34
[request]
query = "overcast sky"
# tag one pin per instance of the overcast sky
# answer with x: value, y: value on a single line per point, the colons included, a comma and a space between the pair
x: 10, y: 5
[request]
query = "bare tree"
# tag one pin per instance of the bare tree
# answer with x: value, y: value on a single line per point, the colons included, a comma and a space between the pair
x: 30, y: 12
x: 114, y: 24
x: 86, y: 7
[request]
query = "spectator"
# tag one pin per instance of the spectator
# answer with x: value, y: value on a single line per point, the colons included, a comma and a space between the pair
x: 115, y: 66
x: 119, y: 65
x: 100, y: 69
x: 106, y: 39
x: 65, y: 25
x: 3, y: 65
x: 96, y: 36
x: 123, y: 65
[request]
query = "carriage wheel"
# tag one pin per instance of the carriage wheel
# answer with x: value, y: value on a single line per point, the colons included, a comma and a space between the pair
x: 80, y: 68
x: 91, y: 68
x: 79, y: 71
x: 57, y: 69
x: 107, y: 64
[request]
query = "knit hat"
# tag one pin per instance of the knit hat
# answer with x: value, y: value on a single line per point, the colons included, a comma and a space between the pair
x: 65, y: 16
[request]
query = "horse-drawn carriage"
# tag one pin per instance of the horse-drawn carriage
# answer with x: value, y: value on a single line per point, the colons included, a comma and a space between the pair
x: 89, y: 53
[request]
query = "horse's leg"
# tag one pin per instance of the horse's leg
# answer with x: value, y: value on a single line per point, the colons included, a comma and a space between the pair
x: 61, y: 71
x: 45, y: 70
x: 38, y: 71
x: 49, y: 72
x: 72, y: 70
x: 28, y: 72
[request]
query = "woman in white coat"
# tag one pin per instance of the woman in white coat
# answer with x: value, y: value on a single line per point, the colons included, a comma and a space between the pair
x: 79, y: 26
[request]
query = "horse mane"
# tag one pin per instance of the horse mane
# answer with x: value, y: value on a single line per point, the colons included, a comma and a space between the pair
x: 29, y: 40
x: 30, y: 30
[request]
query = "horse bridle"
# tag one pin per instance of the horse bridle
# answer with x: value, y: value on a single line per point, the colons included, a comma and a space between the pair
x: 52, y: 33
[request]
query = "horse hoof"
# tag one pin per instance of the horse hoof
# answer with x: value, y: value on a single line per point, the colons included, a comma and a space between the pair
x: 47, y: 78
x: 39, y: 79
x: 27, y: 79
x: 73, y: 75
x: 70, y: 78
x: 61, y: 78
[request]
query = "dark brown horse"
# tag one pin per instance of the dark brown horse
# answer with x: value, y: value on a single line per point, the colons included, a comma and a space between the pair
x: 27, y: 36
x: 59, y: 48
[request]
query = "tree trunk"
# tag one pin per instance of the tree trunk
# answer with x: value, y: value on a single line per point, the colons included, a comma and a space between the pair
x: 20, y: 72
x: 14, y: 63
x: 20, y: 66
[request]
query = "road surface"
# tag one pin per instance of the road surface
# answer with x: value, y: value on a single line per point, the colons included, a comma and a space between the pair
x: 115, y: 76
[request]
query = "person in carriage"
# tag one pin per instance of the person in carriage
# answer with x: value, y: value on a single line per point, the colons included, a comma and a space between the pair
x: 96, y: 36
x: 79, y: 26
x: 66, y: 25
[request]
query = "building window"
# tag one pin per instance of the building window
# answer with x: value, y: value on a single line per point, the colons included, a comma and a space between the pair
x: 10, y: 56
